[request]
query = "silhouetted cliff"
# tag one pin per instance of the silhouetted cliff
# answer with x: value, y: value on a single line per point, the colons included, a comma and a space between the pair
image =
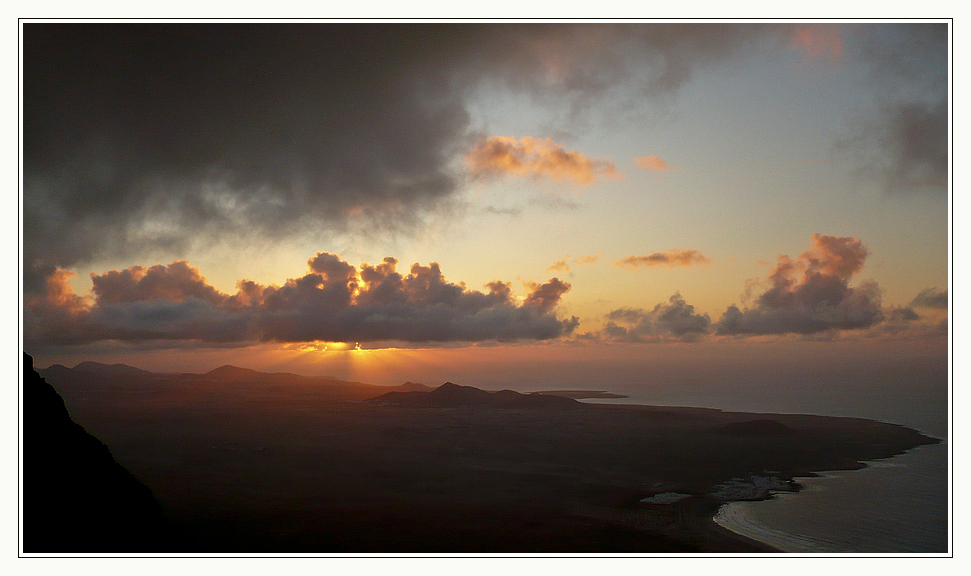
x: 76, y: 497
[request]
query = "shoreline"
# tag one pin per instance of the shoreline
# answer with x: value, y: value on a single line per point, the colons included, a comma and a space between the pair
x: 311, y: 472
x: 736, y: 517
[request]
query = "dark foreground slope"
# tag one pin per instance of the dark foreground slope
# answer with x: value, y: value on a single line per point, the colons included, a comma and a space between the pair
x: 76, y: 497
x: 252, y: 467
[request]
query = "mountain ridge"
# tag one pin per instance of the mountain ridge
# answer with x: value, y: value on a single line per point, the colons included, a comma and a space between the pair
x: 450, y: 395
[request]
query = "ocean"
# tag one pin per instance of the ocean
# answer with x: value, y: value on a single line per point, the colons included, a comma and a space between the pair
x: 897, y: 505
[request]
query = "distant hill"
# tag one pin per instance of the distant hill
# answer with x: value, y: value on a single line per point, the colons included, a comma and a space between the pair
x: 88, y: 378
x: 76, y: 497
x: 412, y: 387
x: 229, y: 372
x: 450, y: 395
x: 97, y: 368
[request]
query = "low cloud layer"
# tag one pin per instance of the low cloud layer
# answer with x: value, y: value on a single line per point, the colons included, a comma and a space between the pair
x: 931, y: 298
x: 675, y: 320
x: 670, y: 258
x: 333, y: 302
x: 530, y: 157
x: 811, y: 294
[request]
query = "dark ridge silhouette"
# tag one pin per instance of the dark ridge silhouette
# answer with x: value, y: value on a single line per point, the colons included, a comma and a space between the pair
x: 76, y: 497
x: 107, y: 369
x: 760, y: 427
x: 412, y: 387
x: 450, y: 395
x: 229, y: 372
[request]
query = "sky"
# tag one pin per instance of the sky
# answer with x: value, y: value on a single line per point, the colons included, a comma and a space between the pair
x: 397, y: 201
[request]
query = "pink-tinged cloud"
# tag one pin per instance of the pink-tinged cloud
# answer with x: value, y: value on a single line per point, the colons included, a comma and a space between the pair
x: 811, y: 294
x: 671, y: 258
x: 333, y: 301
x: 654, y: 164
x: 530, y: 157
x: 818, y: 41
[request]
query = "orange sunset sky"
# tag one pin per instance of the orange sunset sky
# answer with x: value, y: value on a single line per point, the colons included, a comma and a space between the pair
x: 481, y: 202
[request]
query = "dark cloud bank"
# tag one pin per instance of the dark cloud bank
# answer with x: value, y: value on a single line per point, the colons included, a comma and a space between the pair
x: 337, y: 302
x: 151, y: 136
x: 333, y: 302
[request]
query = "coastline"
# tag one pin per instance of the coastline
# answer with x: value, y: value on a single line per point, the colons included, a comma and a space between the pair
x: 309, y: 472
x: 867, y: 511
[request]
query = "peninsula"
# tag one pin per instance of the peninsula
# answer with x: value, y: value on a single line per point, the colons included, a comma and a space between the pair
x: 243, y: 461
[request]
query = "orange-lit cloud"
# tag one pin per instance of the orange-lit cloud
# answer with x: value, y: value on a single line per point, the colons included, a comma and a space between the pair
x: 818, y: 41
x: 811, y: 294
x: 58, y: 295
x: 530, y: 157
x: 587, y: 259
x: 333, y: 302
x: 560, y: 266
x: 674, y: 257
x: 654, y: 164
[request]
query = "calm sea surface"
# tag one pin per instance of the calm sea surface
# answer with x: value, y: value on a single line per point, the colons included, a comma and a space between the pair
x: 898, y: 505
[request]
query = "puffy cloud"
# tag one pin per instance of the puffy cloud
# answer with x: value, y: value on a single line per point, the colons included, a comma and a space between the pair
x: 175, y: 282
x: 675, y: 320
x: 653, y: 163
x: 334, y: 301
x: 546, y: 296
x: 931, y: 298
x: 903, y: 322
x: 674, y: 257
x: 900, y: 314
x: 560, y: 265
x: 530, y: 157
x: 818, y: 300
